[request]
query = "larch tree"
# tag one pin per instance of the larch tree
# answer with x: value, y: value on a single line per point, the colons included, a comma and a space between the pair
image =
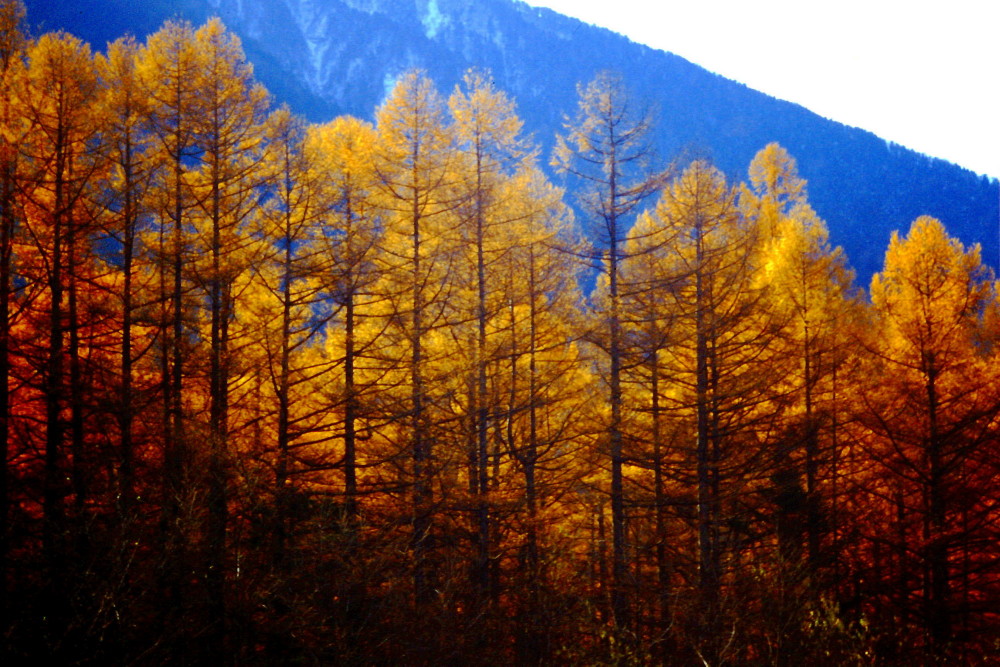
x: 341, y: 155
x: 59, y: 92
x: 649, y: 278
x: 543, y: 389
x: 167, y: 66
x: 487, y: 132
x: 718, y: 367
x: 228, y: 133
x: 343, y: 151
x: 289, y: 277
x: 931, y: 415
x: 127, y: 148
x: 119, y: 339
x: 282, y: 369
x: 810, y: 295
x: 811, y: 286
x: 606, y: 148
x: 414, y: 163
x: 12, y: 53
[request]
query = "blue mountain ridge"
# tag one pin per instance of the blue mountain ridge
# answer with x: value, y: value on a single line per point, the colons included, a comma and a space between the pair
x: 329, y: 57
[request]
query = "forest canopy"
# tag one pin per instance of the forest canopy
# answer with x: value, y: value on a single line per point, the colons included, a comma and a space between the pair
x: 278, y: 392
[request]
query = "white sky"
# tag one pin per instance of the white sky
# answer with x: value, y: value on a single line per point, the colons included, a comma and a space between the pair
x: 921, y: 73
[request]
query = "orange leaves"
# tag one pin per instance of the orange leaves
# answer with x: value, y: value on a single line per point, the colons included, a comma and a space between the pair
x: 931, y: 295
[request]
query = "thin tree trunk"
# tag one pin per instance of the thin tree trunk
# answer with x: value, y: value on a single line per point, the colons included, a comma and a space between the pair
x: 76, y: 389
x: 53, y: 382
x: 620, y: 598
x: 482, y: 408
x: 705, y: 453
x: 421, y: 446
x: 938, y: 611
x: 7, y: 228
x: 126, y: 481
x: 535, y: 648
x: 216, y: 501
x: 660, y: 500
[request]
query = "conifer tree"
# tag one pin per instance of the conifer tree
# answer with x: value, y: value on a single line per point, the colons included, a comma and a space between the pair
x: 126, y: 146
x: 59, y: 92
x: 487, y: 133
x: 718, y: 366
x: 810, y: 296
x: 167, y: 66
x: 12, y: 51
x: 415, y: 171
x: 289, y: 275
x: 810, y: 284
x: 545, y: 421
x: 282, y: 422
x: 343, y: 151
x: 607, y: 148
x: 931, y: 412
x: 229, y: 136
x: 650, y: 330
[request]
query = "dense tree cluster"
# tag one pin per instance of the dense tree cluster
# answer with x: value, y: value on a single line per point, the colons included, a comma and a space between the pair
x: 282, y: 393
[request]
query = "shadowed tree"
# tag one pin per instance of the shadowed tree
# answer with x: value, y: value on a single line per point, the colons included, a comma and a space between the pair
x: 59, y: 92
x: 810, y: 293
x: 167, y: 67
x: 226, y: 186
x: 12, y: 53
x: 125, y: 203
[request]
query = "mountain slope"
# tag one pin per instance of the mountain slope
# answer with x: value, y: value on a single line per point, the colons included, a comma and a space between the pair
x: 327, y: 57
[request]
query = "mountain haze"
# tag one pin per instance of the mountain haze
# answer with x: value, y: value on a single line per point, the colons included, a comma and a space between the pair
x: 341, y: 56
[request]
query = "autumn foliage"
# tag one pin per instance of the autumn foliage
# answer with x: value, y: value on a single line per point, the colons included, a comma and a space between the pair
x: 288, y: 393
